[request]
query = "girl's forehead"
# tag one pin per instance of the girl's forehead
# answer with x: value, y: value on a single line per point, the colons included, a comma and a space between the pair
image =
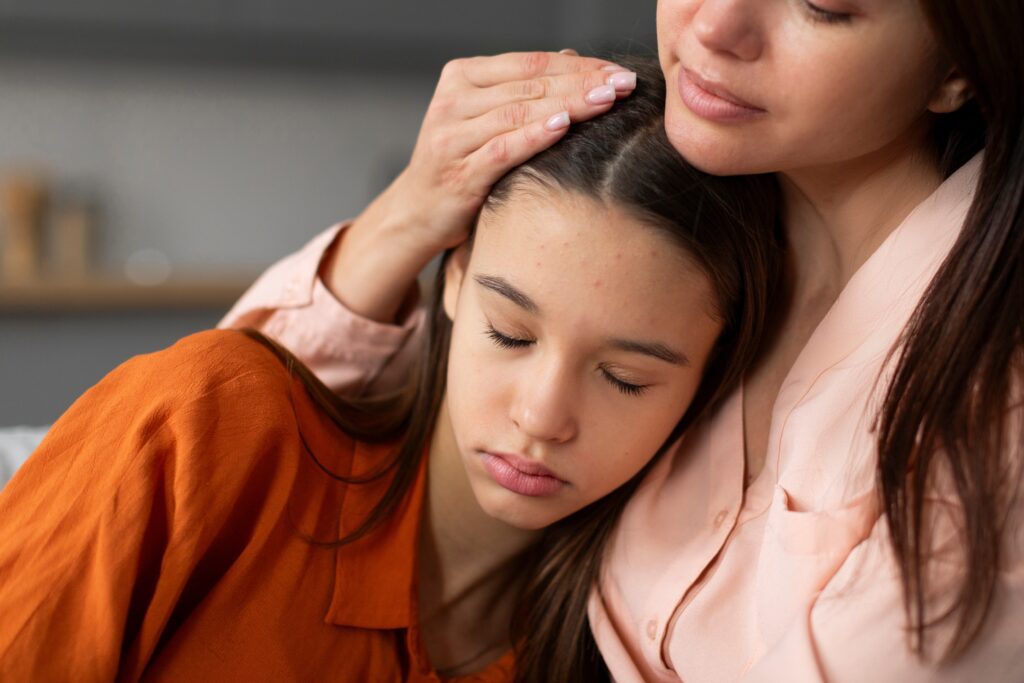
x: 539, y: 222
x: 567, y: 249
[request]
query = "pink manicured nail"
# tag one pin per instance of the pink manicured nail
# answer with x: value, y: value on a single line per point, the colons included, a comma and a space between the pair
x: 602, y: 94
x: 558, y: 121
x: 622, y: 81
x: 613, y: 67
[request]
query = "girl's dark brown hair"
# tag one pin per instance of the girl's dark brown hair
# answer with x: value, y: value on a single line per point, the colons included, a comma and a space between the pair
x: 727, y: 227
x: 946, y: 408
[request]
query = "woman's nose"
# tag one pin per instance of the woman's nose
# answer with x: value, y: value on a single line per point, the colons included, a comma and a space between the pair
x: 730, y: 26
x: 543, y: 408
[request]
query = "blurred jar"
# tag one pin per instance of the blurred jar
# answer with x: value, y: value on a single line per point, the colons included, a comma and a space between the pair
x: 73, y: 227
x: 23, y: 198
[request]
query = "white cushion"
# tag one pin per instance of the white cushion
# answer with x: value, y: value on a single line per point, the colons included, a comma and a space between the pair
x: 16, y: 444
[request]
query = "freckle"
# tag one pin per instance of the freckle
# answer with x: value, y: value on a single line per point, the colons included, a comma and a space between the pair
x: 537, y: 263
x: 597, y: 284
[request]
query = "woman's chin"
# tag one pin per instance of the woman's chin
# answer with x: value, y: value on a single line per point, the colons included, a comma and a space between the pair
x: 710, y: 150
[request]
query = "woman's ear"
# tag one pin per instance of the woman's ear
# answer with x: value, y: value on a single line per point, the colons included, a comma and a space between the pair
x: 951, y: 94
x: 454, y: 273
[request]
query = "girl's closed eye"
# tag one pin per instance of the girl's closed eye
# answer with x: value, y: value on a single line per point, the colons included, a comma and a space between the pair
x: 820, y: 14
x: 624, y: 387
x: 507, y: 341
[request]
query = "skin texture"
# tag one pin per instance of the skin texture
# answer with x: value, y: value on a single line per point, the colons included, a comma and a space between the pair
x: 595, y: 273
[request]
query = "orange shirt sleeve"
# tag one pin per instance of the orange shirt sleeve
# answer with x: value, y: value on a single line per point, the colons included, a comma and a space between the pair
x: 137, y: 500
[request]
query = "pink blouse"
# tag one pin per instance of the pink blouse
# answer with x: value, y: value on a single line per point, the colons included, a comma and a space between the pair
x: 790, y: 579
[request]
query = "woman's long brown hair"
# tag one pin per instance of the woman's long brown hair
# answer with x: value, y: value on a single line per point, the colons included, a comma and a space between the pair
x: 728, y: 227
x: 945, y: 411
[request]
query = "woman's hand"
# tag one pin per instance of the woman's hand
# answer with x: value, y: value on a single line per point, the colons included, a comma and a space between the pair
x: 487, y: 115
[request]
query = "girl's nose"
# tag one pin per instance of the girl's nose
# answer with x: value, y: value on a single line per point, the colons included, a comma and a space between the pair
x: 730, y: 26
x: 543, y: 407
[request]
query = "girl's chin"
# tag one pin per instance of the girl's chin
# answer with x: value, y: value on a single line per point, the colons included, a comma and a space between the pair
x: 524, y: 513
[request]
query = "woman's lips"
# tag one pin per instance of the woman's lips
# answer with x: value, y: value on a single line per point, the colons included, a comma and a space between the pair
x: 711, y: 101
x: 520, y: 475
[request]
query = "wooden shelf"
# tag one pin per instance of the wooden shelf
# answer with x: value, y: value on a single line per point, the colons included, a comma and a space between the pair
x: 102, y: 293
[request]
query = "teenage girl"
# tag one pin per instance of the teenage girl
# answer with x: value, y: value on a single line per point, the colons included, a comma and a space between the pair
x: 214, y: 512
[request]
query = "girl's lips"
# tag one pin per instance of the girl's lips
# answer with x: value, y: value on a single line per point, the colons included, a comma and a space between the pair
x: 710, y: 101
x: 521, y: 476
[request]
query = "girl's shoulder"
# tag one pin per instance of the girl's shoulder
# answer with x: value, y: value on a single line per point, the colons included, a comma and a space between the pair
x: 213, y: 363
x: 208, y: 386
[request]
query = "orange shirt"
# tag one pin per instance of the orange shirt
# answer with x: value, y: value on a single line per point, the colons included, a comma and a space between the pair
x: 159, y: 533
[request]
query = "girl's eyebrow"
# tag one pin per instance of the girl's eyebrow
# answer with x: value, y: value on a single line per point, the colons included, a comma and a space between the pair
x: 654, y: 349
x: 505, y: 288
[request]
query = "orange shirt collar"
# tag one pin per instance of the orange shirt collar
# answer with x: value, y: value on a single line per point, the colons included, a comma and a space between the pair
x: 375, y: 578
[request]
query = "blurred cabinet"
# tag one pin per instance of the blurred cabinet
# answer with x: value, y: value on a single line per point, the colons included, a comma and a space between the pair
x: 428, y: 29
x: 118, y: 14
x: 395, y: 21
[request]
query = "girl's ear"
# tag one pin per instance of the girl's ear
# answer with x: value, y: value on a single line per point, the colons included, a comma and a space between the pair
x: 454, y: 272
x: 951, y: 94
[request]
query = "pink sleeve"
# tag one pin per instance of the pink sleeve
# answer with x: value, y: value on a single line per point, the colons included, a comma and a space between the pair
x: 349, y: 353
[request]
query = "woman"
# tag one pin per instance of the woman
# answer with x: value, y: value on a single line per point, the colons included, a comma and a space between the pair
x: 851, y: 513
x: 199, y: 515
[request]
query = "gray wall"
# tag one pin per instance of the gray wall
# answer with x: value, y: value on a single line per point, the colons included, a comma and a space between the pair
x: 221, y: 152
x: 214, y: 166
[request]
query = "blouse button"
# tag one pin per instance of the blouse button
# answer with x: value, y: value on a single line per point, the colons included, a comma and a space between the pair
x: 720, y: 517
x: 652, y: 629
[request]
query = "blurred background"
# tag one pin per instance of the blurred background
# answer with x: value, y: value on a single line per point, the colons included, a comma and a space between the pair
x: 156, y: 156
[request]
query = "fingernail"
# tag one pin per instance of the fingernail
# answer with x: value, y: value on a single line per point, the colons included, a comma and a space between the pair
x: 602, y: 94
x: 558, y: 121
x: 568, y: 51
x: 613, y: 67
x: 622, y: 81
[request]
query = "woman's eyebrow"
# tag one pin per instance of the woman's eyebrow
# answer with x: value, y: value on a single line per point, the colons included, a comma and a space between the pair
x: 505, y: 288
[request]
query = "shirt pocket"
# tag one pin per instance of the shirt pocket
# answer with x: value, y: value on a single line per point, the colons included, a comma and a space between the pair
x: 802, y: 551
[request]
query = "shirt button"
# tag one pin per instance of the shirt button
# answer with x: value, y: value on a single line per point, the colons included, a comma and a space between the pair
x: 652, y: 629
x: 720, y: 517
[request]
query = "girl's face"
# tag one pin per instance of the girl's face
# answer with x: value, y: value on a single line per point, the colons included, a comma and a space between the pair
x: 579, y: 339
x: 786, y: 85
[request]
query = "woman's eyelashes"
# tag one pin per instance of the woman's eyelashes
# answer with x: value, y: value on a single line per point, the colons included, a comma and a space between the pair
x: 505, y: 341
x: 822, y: 15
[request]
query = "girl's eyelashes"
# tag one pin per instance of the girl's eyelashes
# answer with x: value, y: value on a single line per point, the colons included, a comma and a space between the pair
x: 504, y: 341
x: 825, y: 16
x: 623, y: 386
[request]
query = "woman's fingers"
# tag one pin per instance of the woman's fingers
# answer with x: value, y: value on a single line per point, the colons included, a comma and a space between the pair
x: 484, y: 72
x: 517, y: 115
x: 489, y: 163
x: 477, y: 101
